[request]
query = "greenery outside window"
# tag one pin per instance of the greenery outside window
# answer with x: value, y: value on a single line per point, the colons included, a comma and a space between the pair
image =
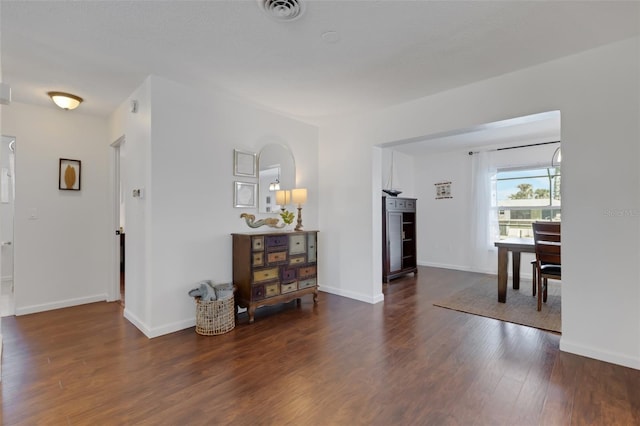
x: 526, y: 195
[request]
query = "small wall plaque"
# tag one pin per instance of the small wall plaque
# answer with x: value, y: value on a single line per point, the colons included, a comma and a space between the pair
x: 443, y: 190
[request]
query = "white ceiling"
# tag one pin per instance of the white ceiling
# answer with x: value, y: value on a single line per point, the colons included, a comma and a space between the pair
x: 531, y: 129
x: 388, y: 51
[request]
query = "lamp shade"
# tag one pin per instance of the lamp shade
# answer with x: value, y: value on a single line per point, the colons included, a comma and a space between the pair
x: 283, y: 197
x: 65, y: 100
x: 299, y: 195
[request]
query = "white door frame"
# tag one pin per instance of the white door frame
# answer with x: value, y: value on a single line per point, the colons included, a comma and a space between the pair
x: 113, y: 293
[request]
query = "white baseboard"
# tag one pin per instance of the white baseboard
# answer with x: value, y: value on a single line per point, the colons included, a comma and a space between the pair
x: 25, y: 310
x: 133, y: 319
x: 191, y: 322
x: 471, y: 269
x: 352, y: 295
x: 458, y: 268
x: 443, y: 265
x: 158, y: 331
x: 599, y: 354
x: 171, y: 328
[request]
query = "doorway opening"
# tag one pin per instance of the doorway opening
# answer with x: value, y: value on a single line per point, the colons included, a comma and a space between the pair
x: 456, y: 227
x: 7, y: 199
x: 118, y: 246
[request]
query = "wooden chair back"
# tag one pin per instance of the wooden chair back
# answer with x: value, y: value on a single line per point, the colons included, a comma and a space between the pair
x: 546, y: 236
x: 548, y: 252
x: 546, y: 231
x: 547, y: 240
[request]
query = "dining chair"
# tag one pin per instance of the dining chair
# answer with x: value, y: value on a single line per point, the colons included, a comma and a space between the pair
x: 548, y: 231
x: 547, y: 242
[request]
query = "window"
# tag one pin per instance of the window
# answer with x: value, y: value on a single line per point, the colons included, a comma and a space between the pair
x: 524, y: 196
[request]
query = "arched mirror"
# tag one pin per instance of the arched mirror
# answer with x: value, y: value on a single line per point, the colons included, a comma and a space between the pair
x: 276, y: 170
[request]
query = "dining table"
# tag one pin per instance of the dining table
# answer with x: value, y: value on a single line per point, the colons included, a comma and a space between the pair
x: 515, y: 246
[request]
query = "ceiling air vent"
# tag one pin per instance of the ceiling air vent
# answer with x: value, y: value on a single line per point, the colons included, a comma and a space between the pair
x: 283, y: 10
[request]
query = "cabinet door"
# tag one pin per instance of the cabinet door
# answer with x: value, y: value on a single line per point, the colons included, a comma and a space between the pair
x: 395, y: 241
x: 297, y: 244
x: 311, y: 247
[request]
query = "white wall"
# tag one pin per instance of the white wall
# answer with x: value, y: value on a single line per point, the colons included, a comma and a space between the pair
x: 135, y: 172
x: 444, y: 226
x: 59, y: 258
x: 597, y: 93
x: 444, y: 236
x: 182, y: 227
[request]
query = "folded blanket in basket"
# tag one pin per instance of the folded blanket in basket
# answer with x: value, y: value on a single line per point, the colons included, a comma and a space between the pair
x: 224, y: 291
x: 205, y: 291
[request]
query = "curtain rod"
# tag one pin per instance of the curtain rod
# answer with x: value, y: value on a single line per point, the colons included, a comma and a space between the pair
x: 516, y: 147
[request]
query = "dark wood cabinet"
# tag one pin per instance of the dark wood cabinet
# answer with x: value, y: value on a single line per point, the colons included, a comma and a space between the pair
x: 274, y: 267
x: 398, y: 237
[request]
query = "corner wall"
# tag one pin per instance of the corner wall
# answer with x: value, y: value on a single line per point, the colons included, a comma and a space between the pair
x: 183, y: 225
x: 598, y: 94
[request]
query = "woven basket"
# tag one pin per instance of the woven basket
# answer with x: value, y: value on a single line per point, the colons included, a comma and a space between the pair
x: 215, y: 317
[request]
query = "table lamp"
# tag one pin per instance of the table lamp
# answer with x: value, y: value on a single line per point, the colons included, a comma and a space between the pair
x: 299, y: 197
x: 283, y: 197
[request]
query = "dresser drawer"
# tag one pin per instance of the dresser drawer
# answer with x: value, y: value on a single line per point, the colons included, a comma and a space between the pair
x: 277, y: 257
x: 288, y: 288
x: 276, y: 241
x: 307, y: 271
x: 257, y: 292
x: 391, y: 203
x: 288, y: 275
x: 258, y: 259
x: 257, y: 243
x: 296, y: 260
x: 410, y: 205
x: 260, y: 275
x: 297, y: 244
x: 310, y: 282
x: 271, y: 290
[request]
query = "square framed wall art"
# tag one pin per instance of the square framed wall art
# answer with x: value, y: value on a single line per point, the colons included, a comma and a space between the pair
x: 244, y: 194
x: 244, y: 163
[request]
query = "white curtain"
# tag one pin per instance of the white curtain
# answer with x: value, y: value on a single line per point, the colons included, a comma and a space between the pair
x: 484, y: 214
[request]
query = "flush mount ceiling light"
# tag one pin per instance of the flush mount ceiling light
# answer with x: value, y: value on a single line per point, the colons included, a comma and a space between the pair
x: 282, y: 10
x: 65, y: 100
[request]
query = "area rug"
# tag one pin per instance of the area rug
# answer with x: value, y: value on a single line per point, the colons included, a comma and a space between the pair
x: 521, y: 307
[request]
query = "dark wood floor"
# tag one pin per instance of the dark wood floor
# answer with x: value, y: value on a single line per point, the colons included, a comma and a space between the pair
x: 343, y: 362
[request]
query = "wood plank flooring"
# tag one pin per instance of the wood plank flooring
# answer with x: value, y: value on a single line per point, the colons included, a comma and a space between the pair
x: 401, y: 362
